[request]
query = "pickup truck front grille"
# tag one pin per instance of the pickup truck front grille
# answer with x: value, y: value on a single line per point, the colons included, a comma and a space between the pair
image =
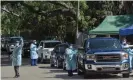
x: 108, y: 58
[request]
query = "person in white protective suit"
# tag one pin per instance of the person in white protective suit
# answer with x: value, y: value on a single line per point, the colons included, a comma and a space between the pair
x: 33, y: 53
x: 71, y: 60
x: 17, y: 58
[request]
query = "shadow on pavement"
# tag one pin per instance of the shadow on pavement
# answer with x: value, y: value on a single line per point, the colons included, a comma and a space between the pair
x: 53, y: 69
x: 103, y: 76
x: 47, y: 67
x: 59, y: 73
x: 65, y: 76
x: 6, y: 77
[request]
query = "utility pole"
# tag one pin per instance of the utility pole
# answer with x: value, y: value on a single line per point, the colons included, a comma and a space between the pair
x: 77, y: 35
x: 77, y: 20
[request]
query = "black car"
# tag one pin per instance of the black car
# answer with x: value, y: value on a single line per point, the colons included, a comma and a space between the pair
x: 58, y: 55
x: 26, y: 48
x: 4, y: 43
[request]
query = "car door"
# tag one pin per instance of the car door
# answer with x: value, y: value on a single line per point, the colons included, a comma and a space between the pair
x: 53, y: 56
x: 56, y: 51
x: 40, y: 49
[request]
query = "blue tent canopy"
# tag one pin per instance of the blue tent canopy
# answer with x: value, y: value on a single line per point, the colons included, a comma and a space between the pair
x: 126, y: 31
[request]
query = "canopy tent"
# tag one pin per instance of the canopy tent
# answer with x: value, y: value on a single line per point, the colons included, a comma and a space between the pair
x: 112, y: 24
x: 126, y: 31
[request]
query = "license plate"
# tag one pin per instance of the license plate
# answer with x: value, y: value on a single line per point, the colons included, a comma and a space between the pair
x: 108, y: 68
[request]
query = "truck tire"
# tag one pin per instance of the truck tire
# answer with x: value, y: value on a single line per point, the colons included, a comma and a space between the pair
x: 125, y: 75
x: 42, y: 60
x: 39, y: 60
x: 51, y: 64
x: 85, y: 75
x: 64, y: 68
x: 84, y: 71
x: 57, y: 63
x: 78, y: 71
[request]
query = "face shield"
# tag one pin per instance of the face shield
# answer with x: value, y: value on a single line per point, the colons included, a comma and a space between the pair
x: 71, y: 46
x: 17, y: 43
x: 34, y: 42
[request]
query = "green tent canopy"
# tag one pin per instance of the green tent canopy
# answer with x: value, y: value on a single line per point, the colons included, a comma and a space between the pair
x: 112, y: 24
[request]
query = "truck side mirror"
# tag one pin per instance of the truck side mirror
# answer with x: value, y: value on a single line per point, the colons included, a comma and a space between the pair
x: 125, y: 47
x: 81, y: 49
x: 57, y: 50
x: 40, y: 46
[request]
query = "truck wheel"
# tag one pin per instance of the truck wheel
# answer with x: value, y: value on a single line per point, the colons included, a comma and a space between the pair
x: 42, y: 60
x: 64, y: 68
x: 78, y: 71
x: 57, y: 63
x: 39, y: 60
x: 126, y: 75
x: 85, y: 75
x: 51, y: 64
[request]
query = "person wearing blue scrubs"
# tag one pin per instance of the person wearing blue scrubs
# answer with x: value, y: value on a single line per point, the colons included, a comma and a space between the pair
x: 33, y: 53
x: 17, y: 58
x: 71, y: 60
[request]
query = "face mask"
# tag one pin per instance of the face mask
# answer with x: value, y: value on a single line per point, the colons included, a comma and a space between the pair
x: 70, y: 47
x: 34, y: 42
x: 17, y: 44
x: 124, y: 42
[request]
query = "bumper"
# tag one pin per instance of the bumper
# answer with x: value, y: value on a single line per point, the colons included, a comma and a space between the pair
x: 106, y: 72
x: 90, y: 68
x: 26, y: 51
x: 46, y: 57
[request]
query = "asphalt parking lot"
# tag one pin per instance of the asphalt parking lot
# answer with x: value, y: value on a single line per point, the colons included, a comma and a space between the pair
x: 45, y: 72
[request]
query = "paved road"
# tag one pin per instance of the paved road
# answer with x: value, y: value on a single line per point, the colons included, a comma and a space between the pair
x: 44, y: 72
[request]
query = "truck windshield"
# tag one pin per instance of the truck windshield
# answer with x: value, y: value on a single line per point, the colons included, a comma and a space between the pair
x: 27, y: 44
x: 62, y: 48
x: 104, y: 44
x: 51, y: 44
x: 13, y: 40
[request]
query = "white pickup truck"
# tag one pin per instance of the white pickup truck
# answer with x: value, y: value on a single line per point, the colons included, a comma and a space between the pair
x: 45, y: 48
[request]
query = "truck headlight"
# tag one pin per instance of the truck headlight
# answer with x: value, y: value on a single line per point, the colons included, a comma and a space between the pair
x: 53, y: 56
x: 62, y: 57
x: 12, y: 45
x: 90, y: 57
x: 125, y: 66
x: 47, y: 52
x: 124, y: 55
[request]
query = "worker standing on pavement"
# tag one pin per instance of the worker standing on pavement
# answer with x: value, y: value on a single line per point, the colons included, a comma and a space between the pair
x: 71, y: 60
x: 130, y: 53
x: 17, y: 58
x: 33, y: 53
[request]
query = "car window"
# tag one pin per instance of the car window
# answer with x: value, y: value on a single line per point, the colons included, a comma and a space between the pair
x: 61, y: 48
x: 51, y: 44
x: 13, y: 40
x: 26, y: 44
x: 41, y: 44
x: 104, y: 44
